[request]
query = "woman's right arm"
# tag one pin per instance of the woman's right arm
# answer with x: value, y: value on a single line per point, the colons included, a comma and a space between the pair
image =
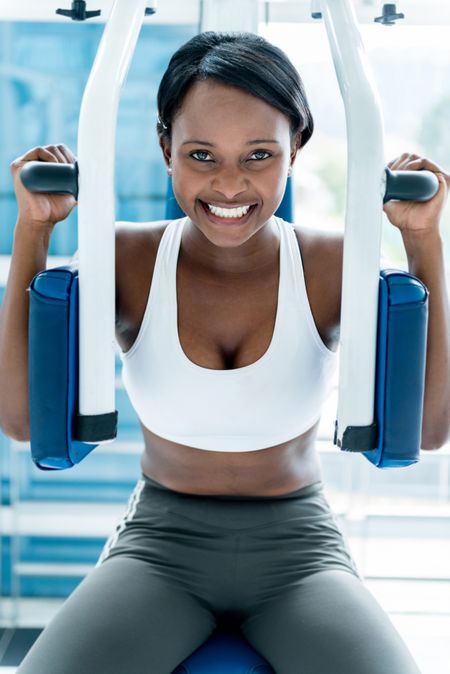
x: 38, y: 214
x: 29, y: 256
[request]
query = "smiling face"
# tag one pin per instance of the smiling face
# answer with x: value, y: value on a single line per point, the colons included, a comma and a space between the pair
x: 229, y: 148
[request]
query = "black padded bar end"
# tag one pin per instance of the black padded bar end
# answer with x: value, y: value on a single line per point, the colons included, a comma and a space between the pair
x: 43, y: 176
x: 410, y: 185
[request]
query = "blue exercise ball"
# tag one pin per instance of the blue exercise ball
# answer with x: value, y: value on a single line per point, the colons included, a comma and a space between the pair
x: 225, y: 652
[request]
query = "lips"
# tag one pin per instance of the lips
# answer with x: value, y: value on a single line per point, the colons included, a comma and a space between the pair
x: 228, y: 221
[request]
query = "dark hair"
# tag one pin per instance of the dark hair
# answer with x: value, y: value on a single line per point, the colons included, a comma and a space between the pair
x: 240, y: 59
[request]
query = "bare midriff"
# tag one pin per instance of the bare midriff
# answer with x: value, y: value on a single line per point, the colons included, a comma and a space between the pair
x: 270, y: 471
x: 264, y: 472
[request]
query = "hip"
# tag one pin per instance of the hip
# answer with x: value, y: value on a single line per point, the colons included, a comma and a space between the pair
x: 295, y: 532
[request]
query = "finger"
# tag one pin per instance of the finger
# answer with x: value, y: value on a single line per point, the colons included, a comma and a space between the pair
x: 56, y: 152
x: 36, y: 154
x: 417, y: 163
x: 429, y: 165
x: 68, y: 154
x: 42, y: 153
x: 397, y: 163
x: 401, y: 163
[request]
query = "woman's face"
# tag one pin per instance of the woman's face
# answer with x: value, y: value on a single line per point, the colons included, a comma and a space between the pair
x: 229, y: 149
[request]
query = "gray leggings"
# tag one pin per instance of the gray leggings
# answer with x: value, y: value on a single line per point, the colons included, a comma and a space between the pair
x: 177, y: 565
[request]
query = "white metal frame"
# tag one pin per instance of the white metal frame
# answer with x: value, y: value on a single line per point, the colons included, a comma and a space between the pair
x: 363, y: 220
x: 96, y: 207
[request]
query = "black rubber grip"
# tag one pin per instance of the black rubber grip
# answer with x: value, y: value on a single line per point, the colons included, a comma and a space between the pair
x: 410, y: 185
x: 46, y: 176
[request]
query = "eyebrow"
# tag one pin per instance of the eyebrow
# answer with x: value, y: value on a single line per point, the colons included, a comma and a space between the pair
x: 249, y: 142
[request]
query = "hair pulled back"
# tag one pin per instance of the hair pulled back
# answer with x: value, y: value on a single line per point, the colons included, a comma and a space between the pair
x: 240, y: 59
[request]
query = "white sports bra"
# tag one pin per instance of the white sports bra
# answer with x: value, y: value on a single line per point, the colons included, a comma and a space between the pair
x: 269, y: 402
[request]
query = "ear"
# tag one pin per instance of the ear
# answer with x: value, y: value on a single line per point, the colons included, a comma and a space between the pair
x: 295, y: 147
x: 165, y: 147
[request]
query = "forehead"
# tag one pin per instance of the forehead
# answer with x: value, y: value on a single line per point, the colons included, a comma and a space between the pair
x: 210, y: 107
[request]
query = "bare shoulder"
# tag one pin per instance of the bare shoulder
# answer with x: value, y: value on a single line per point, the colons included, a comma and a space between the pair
x: 322, y: 255
x: 130, y: 234
x: 136, y: 248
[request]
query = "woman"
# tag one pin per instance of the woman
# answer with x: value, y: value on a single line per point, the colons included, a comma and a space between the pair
x: 227, y: 361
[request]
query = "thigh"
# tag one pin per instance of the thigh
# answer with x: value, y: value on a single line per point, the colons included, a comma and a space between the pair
x: 329, y: 623
x: 123, y: 617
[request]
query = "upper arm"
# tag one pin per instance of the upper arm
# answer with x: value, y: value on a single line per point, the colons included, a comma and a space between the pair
x: 332, y: 245
x: 322, y: 254
x: 136, y: 246
x: 324, y: 251
x: 124, y: 243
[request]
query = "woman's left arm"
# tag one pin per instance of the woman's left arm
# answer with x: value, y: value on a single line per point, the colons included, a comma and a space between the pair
x: 418, y: 223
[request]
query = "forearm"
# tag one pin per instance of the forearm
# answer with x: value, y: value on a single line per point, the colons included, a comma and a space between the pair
x: 425, y: 254
x: 29, y: 256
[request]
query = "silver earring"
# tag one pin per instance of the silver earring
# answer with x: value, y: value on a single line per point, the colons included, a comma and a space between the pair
x: 169, y: 170
x: 290, y: 171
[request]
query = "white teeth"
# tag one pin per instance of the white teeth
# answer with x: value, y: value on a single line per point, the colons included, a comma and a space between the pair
x: 229, y: 212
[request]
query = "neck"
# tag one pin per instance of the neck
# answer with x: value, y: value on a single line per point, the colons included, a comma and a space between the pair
x: 255, y: 255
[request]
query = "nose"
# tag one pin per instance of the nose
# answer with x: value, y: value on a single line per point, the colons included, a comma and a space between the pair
x: 230, y: 182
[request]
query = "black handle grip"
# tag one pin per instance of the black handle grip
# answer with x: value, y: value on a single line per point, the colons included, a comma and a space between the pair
x: 410, y: 185
x: 46, y: 176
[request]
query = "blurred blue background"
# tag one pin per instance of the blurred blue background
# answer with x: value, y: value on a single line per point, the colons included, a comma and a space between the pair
x: 43, y: 72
